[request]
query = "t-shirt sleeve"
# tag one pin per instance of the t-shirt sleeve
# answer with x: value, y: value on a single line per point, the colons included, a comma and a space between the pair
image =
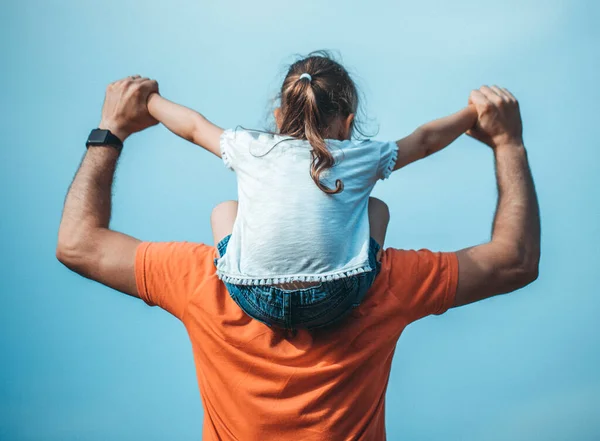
x: 230, y: 148
x: 388, y: 154
x: 424, y: 282
x: 169, y: 273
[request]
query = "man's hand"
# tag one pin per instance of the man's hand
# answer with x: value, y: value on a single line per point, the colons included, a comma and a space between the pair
x: 125, y: 110
x: 499, y: 117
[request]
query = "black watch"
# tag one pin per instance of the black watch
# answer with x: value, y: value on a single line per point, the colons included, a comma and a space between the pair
x: 100, y: 137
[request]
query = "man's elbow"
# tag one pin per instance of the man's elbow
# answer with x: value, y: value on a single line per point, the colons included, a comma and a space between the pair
x: 528, y: 275
x: 74, y: 254
x: 67, y: 255
x: 524, y: 272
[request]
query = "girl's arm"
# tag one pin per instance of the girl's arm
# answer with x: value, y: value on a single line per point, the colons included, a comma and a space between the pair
x: 186, y: 123
x: 434, y: 136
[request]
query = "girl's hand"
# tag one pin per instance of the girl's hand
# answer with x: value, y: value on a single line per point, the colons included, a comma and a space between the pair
x: 152, y: 97
x: 475, y: 132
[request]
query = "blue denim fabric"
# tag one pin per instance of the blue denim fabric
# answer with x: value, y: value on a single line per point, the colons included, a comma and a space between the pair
x: 308, y: 308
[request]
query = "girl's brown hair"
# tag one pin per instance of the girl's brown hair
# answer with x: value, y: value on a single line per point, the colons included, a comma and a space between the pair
x: 310, y: 104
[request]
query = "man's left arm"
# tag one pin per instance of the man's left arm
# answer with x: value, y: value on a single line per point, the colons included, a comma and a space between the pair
x: 86, y: 245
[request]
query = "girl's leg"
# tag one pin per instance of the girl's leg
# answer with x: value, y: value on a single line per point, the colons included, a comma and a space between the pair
x: 379, y: 218
x: 222, y: 219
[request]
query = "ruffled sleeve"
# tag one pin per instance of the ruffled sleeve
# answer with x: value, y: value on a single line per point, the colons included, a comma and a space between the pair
x: 228, y: 150
x: 388, y: 157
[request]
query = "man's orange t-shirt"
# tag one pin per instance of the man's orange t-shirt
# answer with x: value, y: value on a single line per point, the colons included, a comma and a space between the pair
x: 258, y: 383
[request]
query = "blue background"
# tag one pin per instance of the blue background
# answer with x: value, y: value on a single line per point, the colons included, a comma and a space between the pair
x: 80, y: 361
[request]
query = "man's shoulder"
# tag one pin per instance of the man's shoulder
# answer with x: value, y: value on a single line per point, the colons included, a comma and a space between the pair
x: 395, y: 256
x: 402, y: 263
x: 422, y: 279
x: 170, y: 274
x: 176, y: 250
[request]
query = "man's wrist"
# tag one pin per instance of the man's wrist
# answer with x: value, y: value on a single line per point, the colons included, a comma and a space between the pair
x: 510, y: 148
x: 507, y: 139
x: 114, y: 129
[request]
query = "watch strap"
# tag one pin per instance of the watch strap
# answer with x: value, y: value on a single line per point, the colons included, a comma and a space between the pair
x: 103, y: 137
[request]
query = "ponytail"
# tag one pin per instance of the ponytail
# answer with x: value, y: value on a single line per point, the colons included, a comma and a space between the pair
x: 316, y: 90
x: 322, y: 159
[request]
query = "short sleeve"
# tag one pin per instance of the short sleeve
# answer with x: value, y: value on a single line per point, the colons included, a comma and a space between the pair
x: 387, y: 159
x: 424, y: 282
x: 230, y: 150
x: 168, y: 274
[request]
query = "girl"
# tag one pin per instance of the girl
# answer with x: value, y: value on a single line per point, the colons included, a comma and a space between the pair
x: 301, y: 247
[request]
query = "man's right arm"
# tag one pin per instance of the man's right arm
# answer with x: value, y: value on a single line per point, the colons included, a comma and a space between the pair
x: 510, y: 260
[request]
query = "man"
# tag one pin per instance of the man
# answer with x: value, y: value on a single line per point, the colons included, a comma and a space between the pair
x: 257, y: 383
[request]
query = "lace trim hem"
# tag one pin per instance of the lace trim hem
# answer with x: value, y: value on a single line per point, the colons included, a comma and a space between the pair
x: 262, y: 281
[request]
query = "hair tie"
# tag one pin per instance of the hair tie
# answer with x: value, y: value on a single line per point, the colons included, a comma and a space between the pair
x: 305, y: 75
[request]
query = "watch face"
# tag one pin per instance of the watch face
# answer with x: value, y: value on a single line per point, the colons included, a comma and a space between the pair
x: 97, y: 136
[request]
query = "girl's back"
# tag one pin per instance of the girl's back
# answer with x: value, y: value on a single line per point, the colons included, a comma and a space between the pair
x: 287, y: 229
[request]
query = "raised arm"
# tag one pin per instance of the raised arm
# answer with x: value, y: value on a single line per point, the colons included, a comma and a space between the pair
x: 434, y: 136
x: 510, y: 259
x: 186, y: 123
x: 86, y: 245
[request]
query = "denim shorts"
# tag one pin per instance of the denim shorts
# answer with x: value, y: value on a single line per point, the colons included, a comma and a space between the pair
x: 307, y: 308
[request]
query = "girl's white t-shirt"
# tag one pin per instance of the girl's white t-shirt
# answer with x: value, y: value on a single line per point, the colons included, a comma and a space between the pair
x: 287, y: 229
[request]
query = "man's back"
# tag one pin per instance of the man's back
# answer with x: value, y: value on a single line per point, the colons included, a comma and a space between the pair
x: 260, y: 383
